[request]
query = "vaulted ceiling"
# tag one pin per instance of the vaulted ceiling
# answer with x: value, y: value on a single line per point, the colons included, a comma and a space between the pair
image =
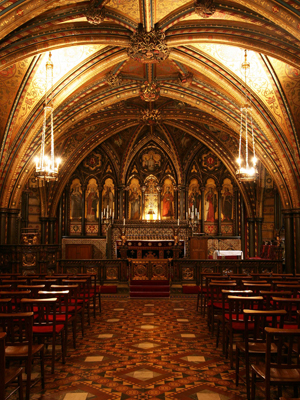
x: 97, y: 85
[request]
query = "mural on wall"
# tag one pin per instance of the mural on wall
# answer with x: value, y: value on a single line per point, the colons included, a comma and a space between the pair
x: 92, y: 161
x: 108, y: 196
x: 135, y: 199
x: 92, y: 201
x: 75, y: 200
x: 194, y: 196
x: 211, y: 201
x: 227, y: 201
x: 151, y: 160
x: 168, y: 199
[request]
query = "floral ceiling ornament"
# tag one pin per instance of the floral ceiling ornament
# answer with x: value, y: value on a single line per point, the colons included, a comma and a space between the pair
x: 149, y: 91
x: 95, y: 14
x: 113, y: 79
x: 185, y: 79
x: 148, y: 47
x: 151, y: 117
x: 205, y: 8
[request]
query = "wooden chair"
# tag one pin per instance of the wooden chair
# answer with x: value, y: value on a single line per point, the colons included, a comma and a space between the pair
x: 203, y: 289
x: 292, y: 306
x: 20, y: 347
x: 285, y: 368
x: 254, y: 343
x: 46, y: 282
x: 45, y: 325
x: 268, y: 295
x: 234, y: 320
x: 257, y: 287
x: 8, y: 376
x: 83, y: 294
x: 14, y: 282
x: 74, y: 308
x: 95, y: 290
x: 214, y: 300
x: 33, y: 288
x: 5, y: 305
x: 5, y: 288
x: 291, y: 287
x: 16, y: 297
x: 225, y: 307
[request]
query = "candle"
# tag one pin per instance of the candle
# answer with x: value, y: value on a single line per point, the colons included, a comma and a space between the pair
x: 187, y: 215
x: 101, y: 215
x: 124, y: 221
x: 193, y: 208
x: 178, y: 221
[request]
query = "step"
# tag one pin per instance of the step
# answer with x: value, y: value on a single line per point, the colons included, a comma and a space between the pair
x: 148, y: 282
x: 141, y: 288
x: 149, y: 294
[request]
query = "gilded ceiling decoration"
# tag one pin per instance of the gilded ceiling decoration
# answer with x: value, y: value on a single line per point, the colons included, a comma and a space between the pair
x: 153, y: 68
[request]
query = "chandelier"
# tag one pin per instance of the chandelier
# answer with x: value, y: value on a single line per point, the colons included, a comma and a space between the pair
x: 47, y: 166
x: 246, y: 172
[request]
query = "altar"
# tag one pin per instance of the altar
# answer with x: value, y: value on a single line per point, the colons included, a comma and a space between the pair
x: 228, y: 254
x: 151, y: 249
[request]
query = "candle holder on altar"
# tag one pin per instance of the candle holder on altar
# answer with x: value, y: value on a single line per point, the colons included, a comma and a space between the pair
x: 123, y: 249
x: 193, y: 220
x: 107, y: 216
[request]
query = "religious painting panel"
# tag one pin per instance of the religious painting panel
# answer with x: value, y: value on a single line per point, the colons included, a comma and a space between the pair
x: 151, y: 160
x: 227, y: 201
x: 211, y: 201
x: 151, y: 198
x: 92, y: 161
x: 75, y: 200
x: 135, y: 199
x: 92, y: 201
x: 108, y: 197
x: 194, y: 197
x: 167, y: 199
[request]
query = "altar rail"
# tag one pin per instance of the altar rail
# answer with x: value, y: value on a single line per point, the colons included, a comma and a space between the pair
x: 181, y: 271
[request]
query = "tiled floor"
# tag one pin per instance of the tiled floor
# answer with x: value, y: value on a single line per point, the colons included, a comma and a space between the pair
x: 141, y: 349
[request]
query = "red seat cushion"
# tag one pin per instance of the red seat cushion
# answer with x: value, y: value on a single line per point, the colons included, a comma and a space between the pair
x: 47, y: 329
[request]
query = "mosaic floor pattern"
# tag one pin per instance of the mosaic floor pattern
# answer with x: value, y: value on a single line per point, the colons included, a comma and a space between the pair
x: 141, y: 349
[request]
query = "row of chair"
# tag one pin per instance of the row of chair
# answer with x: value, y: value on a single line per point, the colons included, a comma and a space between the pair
x: 49, y: 313
x: 248, y: 312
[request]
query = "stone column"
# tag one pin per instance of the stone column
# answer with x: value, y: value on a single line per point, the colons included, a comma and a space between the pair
x: 100, y: 210
x: 3, y: 218
x: 25, y: 208
x: 44, y: 221
x: 236, y: 211
x: 67, y: 211
x: 259, y: 234
x: 182, y: 208
x: 12, y: 226
x: 159, y: 201
x: 202, y: 208
x: 297, y: 239
x: 219, y: 188
x: 121, y: 201
x: 143, y: 201
x: 251, y: 223
x: 289, y: 241
x: 243, y: 235
x: 52, y: 232
x: 176, y: 202
x: 60, y: 219
x: 83, y: 211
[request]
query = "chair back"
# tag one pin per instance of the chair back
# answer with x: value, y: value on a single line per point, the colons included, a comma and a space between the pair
x: 288, y: 352
x: 237, y: 305
x: 291, y: 305
x: 33, y: 288
x: 290, y: 287
x: 46, y: 282
x: 18, y: 327
x: 14, y: 282
x: 15, y: 297
x: 5, y: 306
x: 267, y: 295
x: 257, y: 287
x: 44, y: 312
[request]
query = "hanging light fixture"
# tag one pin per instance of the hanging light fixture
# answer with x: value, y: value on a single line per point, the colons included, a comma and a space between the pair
x: 47, y: 166
x: 246, y: 171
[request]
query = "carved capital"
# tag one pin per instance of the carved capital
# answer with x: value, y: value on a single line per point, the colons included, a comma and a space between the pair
x: 95, y: 14
x: 205, y: 8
